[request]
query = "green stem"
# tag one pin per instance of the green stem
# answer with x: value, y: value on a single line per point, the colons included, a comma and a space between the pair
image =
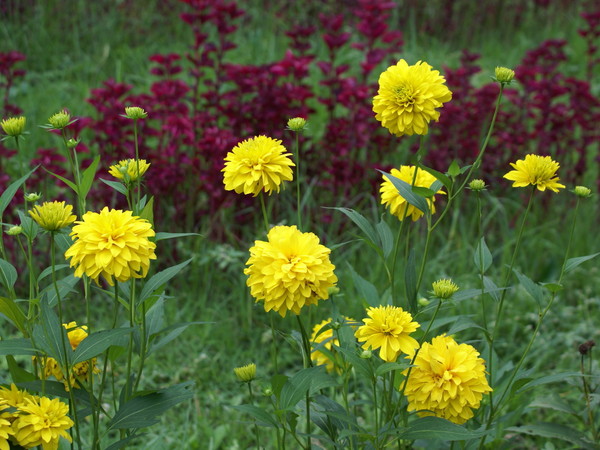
x: 264, y: 211
x: 274, y: 350
x: 307, y: 363
x: 481, y: 269
x: 586, y: 393
x: 256, y: 433
x: 143, y: 348
x: 298, y: 198
x: 137, y: 162
x: 425, y: 254
x: 128, y: 383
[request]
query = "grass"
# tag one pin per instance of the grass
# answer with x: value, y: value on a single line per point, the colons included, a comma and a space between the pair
x: 76, y: 48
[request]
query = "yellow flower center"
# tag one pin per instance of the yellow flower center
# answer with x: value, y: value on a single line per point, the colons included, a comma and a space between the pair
x: 404, y: 95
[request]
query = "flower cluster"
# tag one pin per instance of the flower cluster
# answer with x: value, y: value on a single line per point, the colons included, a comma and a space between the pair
x: 290, y: 270
x: 29, y: 421
x: 447, y: 380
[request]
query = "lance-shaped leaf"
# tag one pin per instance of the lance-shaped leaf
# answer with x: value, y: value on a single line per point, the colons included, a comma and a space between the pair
x: 98, y: 342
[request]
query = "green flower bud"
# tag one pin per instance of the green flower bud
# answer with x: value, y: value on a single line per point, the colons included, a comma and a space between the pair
x: 296, y: 124
x: 444, y: 289
x: 72, y: 143
x: 60, y: 119
x: 13, y: 126
x: 336, y: 325
x: 14, y: 231
x: 477, y: 185
x: 504, y: 75
x: 135, y: 112
x: 366, y: 354
x: 333, y: 290
x: 422, y: 301
x: 245, y: 373
x: 267, y: 392
x: 32, y: 197
x: 582, y: 191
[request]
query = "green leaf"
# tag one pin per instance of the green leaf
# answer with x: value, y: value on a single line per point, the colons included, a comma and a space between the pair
x: 66, y: 285
x: 439, y: 429
x: 17, y: 373
x: 572, y: 263
x: 48, y: 338
x: 124, y: 442
x: 11, y: 190
x: 390, y: 366
x: 148, y: 211
x: 410, y: 281
x: 406, y: 191
x: 8, y: 274
x: 143, y: 411
x: 555, y: 431
x: 117, y: 186
x: 423, y: 191
x: 48, y: 270
x: 13, y: 312
x: 159, y: 279
x: 491, y: 288
x: 174, y: 331
x: 17, y: 347
x: 63, y: 241
x: 361, y: 222
x: 162, y: 235
x: 386, y: 238
x: 553, y: 287
x: 69, y: 183
x: 96, y: 343
x: 454, y: 169
x: 554, y: 378
x: 361, y: 365
x: 555, y: 403
x: 365, y: 288
x: 482, y: 256
x: 305, y: 381
x: 155, y: 317
x: 444, y: 180
x: 533, y: 289
x: 87, y: 178
x: 262, y: 417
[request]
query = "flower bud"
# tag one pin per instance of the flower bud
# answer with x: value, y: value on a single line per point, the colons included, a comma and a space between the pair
x: 504, y: 75
x: 333, y: 290
x: 586, y: 347
x: 60, y: 119
x: 477, y: 185
x: 32, y: 197
x: 267, y: 392
x: 13, y: 126
x: 14, y: 231
x: 296, y: 124
x: 245, y: 373
x: 582, y: 191
x: 135, y: 112
x: 336, y: 325
x: 422, y: 301
x: 444, y: 288
x: 72, y: 143
x: 366, y: 354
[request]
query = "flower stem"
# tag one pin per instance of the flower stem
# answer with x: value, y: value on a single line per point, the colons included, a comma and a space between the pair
x: 307, y: 363
x: 256, y: 432
x: 264, y: 211
x: 298, y: 198
x: 137, y: 162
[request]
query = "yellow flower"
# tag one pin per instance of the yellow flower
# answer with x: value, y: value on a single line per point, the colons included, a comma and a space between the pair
x: 408, y: 97
x: 257, y: 164
x: 388, y: 328
x: 444, y: 288
x: 113, y: 244
x: 135, y: 112
x: 129, y: 167
x: 60, y: 119
x: 447, y: 380
x: 6, y: 429
x: 323, y: 339
x: 80, y: 371
x: 14, y: 396
x: 53, y: 216
x: 245, y: 373
x: 13, y: 126
x: 393, y: 199
x: 535, y: 170
x: 289, y: 271
x: 43, y: 422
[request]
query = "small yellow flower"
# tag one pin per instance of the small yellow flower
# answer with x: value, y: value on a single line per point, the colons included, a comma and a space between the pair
x: 290, y: 270
x: 43, y: 422
x: 582, y: 191
x: 324, y: 339
x: 113, y: 244
x: 127, y: 169
x: 6, y: 430
x: 14, y: 397
x: 13, y: 126
x: 60, y: 119
x: 537, y: 171
x: 245, y: 373
x: 135, y: 112
x: 388, y: 329
x: 444, y: 289
x: 408, y: 97
x: 297, y: 124
x: 477, y: 185
x: 504, y: 75
x: 447, y: 380
x: 256, y: 165
x: 53, y: 216
x: 393, y: 199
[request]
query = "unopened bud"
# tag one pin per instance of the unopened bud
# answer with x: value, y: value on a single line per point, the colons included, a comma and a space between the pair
x: 135, y: 112
x: 13, y: 126
x: 245, y: 373
x: 296, y: 124
x: 72, y: 143
x: 32, y: 197
x: 582, y: 191
x: 14, y: 231
x: 504, y: 75
x: 60, y: 120
x: 366, y: 354
x: 477, y: 185
x: 444, y: 289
